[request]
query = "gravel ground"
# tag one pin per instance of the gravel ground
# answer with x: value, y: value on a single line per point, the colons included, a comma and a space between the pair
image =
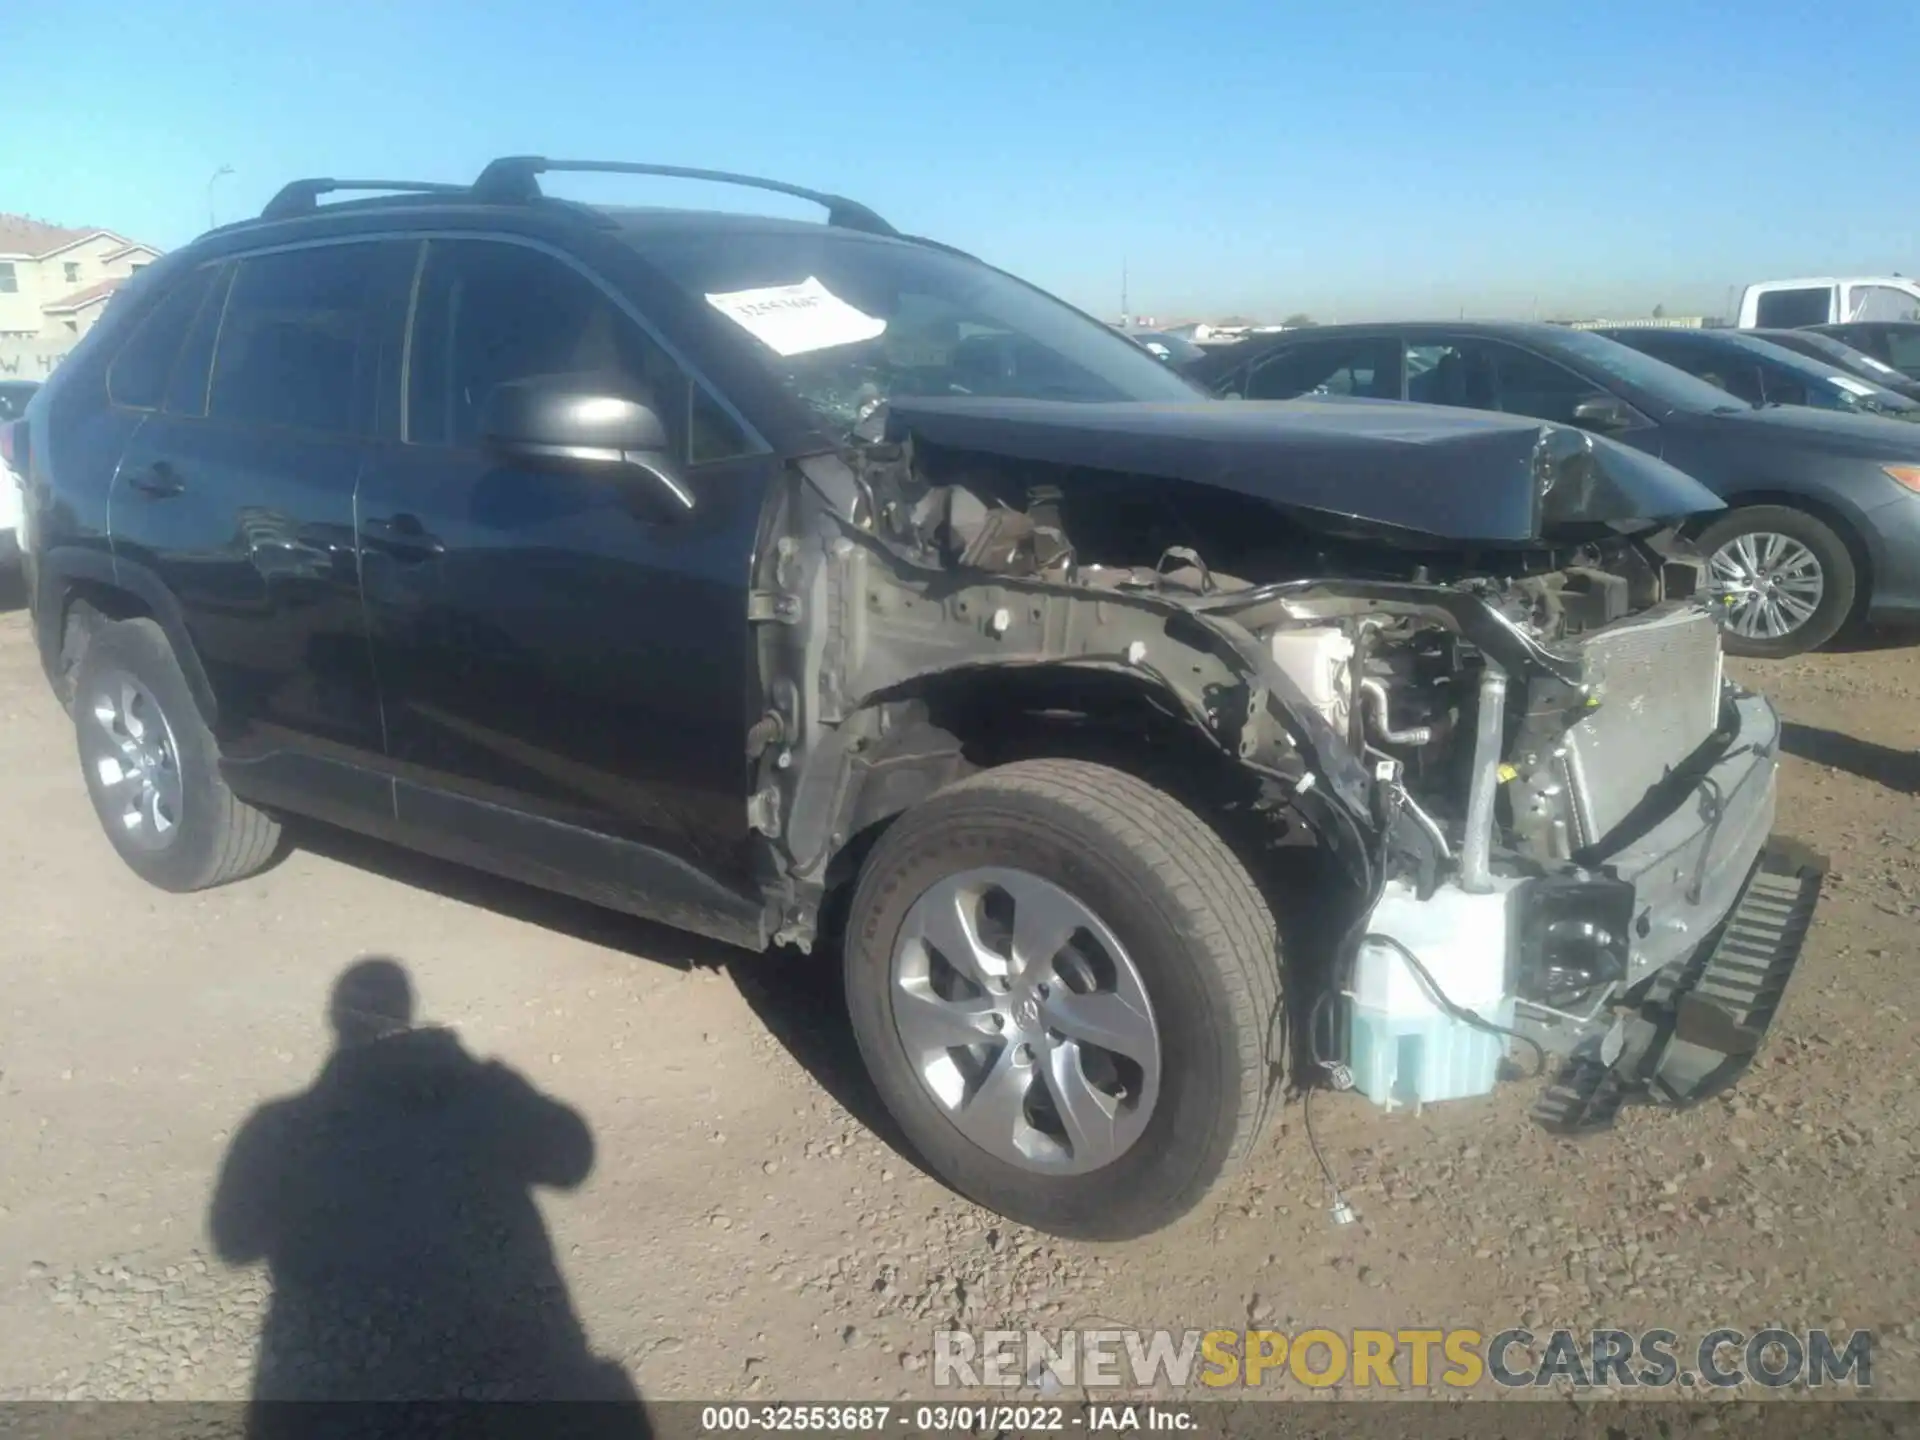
x: 716, y: 1211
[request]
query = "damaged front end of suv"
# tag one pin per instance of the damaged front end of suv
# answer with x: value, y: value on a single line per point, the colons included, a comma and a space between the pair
x: 1455, y: 653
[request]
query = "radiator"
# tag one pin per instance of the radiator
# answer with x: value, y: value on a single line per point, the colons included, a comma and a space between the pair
x: 1657, y: 681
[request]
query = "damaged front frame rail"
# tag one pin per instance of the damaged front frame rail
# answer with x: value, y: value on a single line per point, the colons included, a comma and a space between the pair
x: 861, y: 609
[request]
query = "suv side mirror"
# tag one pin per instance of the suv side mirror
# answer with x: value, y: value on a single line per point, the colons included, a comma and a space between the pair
x: 570, y: 421
x: 1603, y: 412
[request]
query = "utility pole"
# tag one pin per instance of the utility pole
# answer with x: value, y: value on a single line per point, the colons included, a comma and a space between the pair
x: 1126, y: 315
x: 212, y: 222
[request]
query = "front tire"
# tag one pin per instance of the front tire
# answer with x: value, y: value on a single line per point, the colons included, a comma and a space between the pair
x: 1791, y: 579
x: 152, y: 768
x: 1066, y: 988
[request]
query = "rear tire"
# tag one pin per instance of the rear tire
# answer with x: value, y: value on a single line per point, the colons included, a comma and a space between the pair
x: 1737, y: 545
x: 152, y: 768
x: 1155, y: 885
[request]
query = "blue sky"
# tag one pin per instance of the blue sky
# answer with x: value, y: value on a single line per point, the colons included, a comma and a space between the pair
x: 1351, y: 160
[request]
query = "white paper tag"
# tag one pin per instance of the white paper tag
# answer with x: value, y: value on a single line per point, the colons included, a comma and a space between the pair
x: 797, y: 319
x: 1852, y: 386
x: 1866, y: 359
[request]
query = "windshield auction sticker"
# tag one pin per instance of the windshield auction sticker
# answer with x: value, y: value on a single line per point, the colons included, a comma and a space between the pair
x: 796, y: 319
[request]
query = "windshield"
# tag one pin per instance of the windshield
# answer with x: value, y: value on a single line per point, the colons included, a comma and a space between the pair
x: 1840, y: 391
x: 1665, y: 383
x: 846, y: 321
x: 1838, y: 351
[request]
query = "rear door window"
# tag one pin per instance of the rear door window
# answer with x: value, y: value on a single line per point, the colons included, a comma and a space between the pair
x: 289, y: 352
x: 1364, y: 366
x: 138, y: 376
x: 1790, y: 309
x: 1459, y: 374
x: 187, y: 390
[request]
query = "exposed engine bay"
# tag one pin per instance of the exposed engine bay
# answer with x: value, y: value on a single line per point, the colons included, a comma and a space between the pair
x: 1506, y: 746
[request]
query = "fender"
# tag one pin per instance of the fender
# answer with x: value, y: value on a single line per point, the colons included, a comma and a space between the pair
x: 60, y: 568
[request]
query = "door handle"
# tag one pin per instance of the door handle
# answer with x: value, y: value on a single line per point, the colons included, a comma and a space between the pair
x: 158, y: 481
x: 403, y: 537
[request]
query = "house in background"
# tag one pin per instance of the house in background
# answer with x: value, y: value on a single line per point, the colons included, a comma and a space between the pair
x: 55, y: 281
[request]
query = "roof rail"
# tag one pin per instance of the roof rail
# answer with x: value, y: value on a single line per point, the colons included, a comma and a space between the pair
x: 301, y: 197
x: 514, y: 179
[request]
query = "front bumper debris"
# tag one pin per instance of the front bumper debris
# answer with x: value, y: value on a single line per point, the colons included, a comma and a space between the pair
x: 1699, y: 1025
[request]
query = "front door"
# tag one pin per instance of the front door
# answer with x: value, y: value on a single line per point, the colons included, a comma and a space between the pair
x: 238, y: 493
x: 560, y: 659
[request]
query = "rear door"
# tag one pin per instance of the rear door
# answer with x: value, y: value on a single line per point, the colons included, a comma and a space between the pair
x: 559, y: 656
x: 238, y: 493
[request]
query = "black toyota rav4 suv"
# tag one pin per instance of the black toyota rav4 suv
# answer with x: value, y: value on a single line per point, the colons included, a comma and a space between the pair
x: 811, y: 585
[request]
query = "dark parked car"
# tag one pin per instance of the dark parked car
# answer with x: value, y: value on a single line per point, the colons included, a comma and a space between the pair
x: 813, y: 584
x: 1823, y: 518
x: 1762, y: 373
x: 1892, y: 342
x: 1842, y: 356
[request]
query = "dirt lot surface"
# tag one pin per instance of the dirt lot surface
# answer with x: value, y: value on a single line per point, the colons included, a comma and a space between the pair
x: 739, y: 1226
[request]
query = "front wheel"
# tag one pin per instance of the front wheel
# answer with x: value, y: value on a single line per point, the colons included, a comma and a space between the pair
x: 1788, y: 579
x: 1066, y: 987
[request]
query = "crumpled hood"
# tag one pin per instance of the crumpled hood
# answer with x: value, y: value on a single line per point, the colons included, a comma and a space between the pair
x: 1457, y: 475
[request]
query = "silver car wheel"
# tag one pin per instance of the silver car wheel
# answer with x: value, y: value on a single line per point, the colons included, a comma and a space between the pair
x: 133, y: 760
x: 1773, y: 582
x: 1026, y: 1020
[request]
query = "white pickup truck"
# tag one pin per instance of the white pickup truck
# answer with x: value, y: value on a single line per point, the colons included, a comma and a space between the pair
x: 1828, y: 300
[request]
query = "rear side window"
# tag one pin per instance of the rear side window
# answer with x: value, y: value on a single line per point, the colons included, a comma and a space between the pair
x: 289, y: 346
x: 139, y: 373
x: 1366, y: 366
x: 1790, y: 309
x: 187, y: 390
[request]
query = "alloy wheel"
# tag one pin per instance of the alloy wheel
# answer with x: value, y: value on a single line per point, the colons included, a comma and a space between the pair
x: 1774, y: 583
x: 1026, y: 1020
x: 134, y: 761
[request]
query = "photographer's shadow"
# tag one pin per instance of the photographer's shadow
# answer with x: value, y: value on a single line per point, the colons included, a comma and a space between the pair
x: 392, y: 1204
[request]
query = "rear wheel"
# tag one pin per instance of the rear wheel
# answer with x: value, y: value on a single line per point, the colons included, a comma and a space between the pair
x: 1790, y: 581
x: 1066, y: 988
x: 152, y: 769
